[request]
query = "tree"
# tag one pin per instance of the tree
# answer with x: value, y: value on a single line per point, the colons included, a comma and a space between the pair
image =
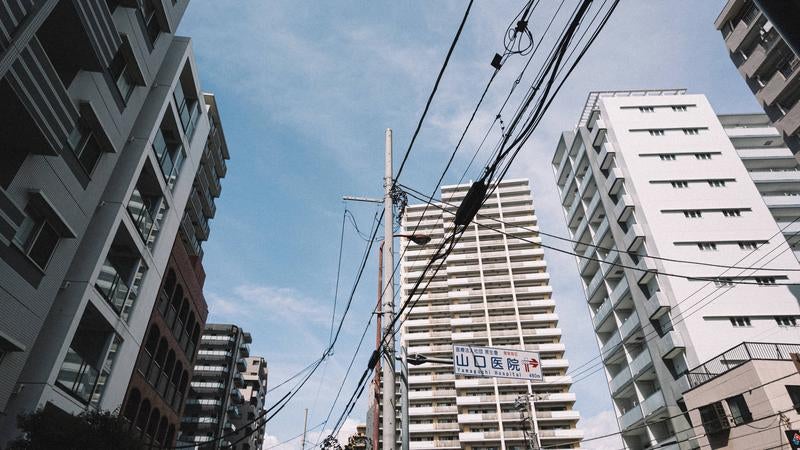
x: 51, y: 428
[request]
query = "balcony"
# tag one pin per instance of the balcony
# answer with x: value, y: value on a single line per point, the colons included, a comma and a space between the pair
x: 602, y: 230
x: 623, y: 208
x: 738, y: 355
x: 657, y: 304
x: 645, y: 270
x: 620, y: 380
x: 640, y: 363
x: 776, y: 176
x: 751, y: 21
x: 598, y: 134
x: 619, y: 291
x: 782, y: 201
x: 777, y: 85
x: 594, y: 284
x: 630, y: 325
x: 112, y: 286
x: 77, y: 376
x: 606, y: 157
x: 602, y: 313
x: 611, y: 346
x: 671, y: 344
x: 630, y: 417
x: 633, y: 237
x: 615, y: 180
x: 789, y: 124
x: 653, y: 403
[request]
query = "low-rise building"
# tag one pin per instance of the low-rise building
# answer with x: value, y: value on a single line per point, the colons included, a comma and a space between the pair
x: 745, y: 397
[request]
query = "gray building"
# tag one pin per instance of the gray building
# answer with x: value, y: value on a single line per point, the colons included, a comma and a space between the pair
x: 763, y: 44
x: 215, y: 401
x: 103, y: 132
x: 254, y: 392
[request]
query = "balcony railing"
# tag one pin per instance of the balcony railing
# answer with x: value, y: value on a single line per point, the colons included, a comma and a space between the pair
x: 170, y: 155
x: 736, y: 356
x: 112, y: 286
x: 77, y: 376
x: 189, y: 113
x: 143, y: 218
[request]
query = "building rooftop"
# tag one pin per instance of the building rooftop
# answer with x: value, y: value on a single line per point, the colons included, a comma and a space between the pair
x: 738, y: 355
x: 591, y: 100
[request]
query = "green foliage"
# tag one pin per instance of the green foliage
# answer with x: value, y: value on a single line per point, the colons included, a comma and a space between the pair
x: 51, y: 428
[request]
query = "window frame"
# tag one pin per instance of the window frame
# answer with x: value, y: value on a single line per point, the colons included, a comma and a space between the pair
x: 27, y: 243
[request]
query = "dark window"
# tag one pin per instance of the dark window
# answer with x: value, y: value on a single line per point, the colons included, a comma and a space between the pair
x: 740, y: 413
x: 152, y: 28
x: 83, y: 144
x: 121, y: 74
x: 37, y: 239
x: 794, y: 396
x: 713, y: 418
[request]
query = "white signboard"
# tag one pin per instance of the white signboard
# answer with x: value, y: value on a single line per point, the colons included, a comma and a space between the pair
x: 492, y: 362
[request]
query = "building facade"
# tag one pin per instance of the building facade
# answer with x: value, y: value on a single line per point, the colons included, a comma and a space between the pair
x: 766, y: 54
x: 746, y: 397
x: 104, y: 132
x: 159, y: 385
x: 649, y: 179
x: 254, y: 393
x: 493, y: 290
x: 214, y: 400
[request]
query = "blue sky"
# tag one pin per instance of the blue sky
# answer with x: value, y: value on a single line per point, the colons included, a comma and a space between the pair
x: 305, y: 92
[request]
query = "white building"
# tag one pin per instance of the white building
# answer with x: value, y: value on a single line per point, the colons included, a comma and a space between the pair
x: 654, y: 174
x: 493, y: 290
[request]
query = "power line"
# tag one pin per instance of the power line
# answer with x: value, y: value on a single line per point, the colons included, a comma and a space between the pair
x: 624, y: 266
x: 433, y: 92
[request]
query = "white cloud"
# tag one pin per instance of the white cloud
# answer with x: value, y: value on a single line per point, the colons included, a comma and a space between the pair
x: 269, y: 303
x: 312, y: 437
x: 602, y: 423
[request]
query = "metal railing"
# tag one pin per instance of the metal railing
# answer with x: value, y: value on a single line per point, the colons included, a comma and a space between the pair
x: 736, y: 356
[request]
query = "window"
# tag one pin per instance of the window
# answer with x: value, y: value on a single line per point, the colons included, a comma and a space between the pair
x: 656, y: 132
x: 786, y: 321
x: 740, y: 413
x: 713, y: 418
x: 152, y: 28
x: 679, y: 108
x: 170, y: 154
x: 679, y: 184
x: 694, y: 214
x: 707, y: 245
x: 702, y: 155
x: 716, y: 183
x: 748, y: 245
x: 646, y: 109
x: 723, y: 282
x: 731, y: 212
x: 83, y: 144
x: 121, y: 74
x: 691, y: 131
x: 740, y: 321
x: 667, y: 157
x: 765, y: 281
x: 794, y: 396
x: 36, y: 238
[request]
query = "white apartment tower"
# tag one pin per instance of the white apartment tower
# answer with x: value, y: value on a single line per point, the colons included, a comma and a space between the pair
x: 652, y: 178
x: 493, y: 290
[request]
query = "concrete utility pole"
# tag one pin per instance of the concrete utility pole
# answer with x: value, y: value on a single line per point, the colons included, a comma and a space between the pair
x: 305, y: 427
x: 388, y: 302
x: 404, y: 435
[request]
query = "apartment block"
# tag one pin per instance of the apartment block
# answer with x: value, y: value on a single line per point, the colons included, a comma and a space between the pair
x: 493, y: 290
x: 103, y: 134
x: 772, y: 167
x: 766, y: 54
x: 158, y: 386
x: 254, y: 393
x: 214, y: 400
x: 649, y: 180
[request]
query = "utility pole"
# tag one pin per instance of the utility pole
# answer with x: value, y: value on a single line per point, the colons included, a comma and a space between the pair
x: 305, y: 429
x: 388, y: 301
x: 404, y: 435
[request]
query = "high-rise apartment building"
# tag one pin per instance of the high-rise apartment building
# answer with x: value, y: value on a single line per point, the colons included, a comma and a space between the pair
x: 214, y: 400
x: 254, y: 393
x: 772, y: 167
x: 766, y: 54
x: 648, y: 180
x: 103, y: 133
x: 493, y: 290
x: 159, y: 385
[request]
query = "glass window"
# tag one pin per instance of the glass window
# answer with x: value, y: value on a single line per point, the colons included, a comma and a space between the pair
x: 37, y: 239
x: 85, y: 147
x: 740, y: 413
x: 121, y: 74
x: 713, y: 418
x: 794, y: 396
